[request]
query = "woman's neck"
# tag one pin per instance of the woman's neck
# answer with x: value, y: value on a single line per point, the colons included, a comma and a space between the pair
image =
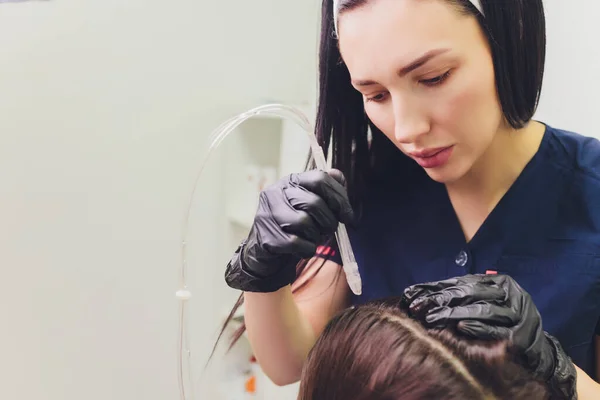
x: 476, y: 194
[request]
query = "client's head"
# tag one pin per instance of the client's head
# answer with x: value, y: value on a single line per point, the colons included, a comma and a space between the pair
x: 376, y: 352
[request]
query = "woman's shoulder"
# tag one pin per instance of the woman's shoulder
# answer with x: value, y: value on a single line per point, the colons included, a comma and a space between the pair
x: 573, y: 164
x: 575, y: 152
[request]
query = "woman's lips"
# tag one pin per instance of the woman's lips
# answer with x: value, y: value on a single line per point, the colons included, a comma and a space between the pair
x: 432, y: 158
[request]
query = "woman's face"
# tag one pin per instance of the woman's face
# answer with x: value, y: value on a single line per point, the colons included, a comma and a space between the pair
x: 426, y: 75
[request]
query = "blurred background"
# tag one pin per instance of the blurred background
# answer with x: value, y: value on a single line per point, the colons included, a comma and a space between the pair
x: 106, y: 108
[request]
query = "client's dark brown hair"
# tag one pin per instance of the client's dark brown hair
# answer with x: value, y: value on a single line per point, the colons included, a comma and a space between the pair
x: 376, y: 352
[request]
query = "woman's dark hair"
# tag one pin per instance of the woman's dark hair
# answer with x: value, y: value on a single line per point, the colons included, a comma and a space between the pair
x: 376, y: 352
x: 516, y: 32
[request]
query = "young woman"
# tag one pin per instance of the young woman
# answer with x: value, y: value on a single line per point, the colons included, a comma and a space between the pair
x: 375, y: 352
x: 429, y: 105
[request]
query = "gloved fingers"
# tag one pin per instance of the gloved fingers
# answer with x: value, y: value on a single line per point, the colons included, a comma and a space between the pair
x: 278, y: 242
x: 483, y: 331
x: 512, y: 287
x: 270, y: 235
x: 329, y: 189
x: 460, y: 295
x: 338, y: 176
x: 276, y: 216
x: 309, y: 205
x: 507, y: 282
x: 502, y: 280
x: 413, y: 292
x: 516, y: 296
x: 482, y: 311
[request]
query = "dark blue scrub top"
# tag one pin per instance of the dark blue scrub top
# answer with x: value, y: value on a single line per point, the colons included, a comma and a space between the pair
x: 545, y: 233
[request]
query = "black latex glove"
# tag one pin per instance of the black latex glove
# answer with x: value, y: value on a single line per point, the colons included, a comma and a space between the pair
x: 495, y: 307
x: 294, y: 216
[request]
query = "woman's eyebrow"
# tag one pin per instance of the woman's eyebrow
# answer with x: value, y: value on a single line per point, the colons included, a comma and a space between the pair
x: 419, y: 62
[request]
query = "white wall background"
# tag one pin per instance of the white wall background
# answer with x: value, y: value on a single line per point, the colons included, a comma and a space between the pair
x: 105, y: 109
x: 570, y: 98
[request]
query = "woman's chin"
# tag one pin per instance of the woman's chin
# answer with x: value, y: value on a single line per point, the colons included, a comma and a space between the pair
x: 446, y: 174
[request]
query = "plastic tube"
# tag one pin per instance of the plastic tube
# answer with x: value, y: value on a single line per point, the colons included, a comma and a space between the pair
x: 349, y: 263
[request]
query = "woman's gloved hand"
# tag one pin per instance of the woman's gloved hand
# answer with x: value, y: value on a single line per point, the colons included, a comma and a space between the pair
x: 495, y: 307
x: 294, y: 216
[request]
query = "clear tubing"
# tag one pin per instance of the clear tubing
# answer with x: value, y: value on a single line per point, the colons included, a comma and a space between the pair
x: 349, y: 263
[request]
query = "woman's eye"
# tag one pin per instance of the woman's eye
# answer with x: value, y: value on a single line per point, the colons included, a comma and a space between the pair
x: 377, y: 98
x: 437, y: 80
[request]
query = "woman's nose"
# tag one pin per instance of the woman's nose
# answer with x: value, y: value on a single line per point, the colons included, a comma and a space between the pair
x: 409, y: 122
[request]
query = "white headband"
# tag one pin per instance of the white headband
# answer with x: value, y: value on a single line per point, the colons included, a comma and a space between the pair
x: 336, y: 11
